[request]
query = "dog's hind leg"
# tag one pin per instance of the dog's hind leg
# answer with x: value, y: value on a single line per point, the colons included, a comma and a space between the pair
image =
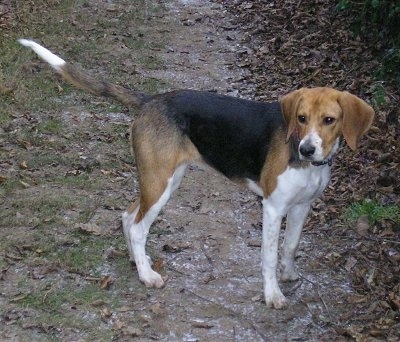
x: 137, y: 220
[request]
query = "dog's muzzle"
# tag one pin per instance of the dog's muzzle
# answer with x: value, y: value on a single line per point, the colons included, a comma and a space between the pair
x: 307, y: 150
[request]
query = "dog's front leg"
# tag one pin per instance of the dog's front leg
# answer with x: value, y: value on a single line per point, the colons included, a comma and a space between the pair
x: 294, y: 225
x: 272, y: 218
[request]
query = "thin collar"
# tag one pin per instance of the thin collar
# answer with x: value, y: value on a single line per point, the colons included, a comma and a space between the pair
x: 328, y: 161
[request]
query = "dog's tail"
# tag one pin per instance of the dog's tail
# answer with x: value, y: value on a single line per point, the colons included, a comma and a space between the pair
x: 84, y: 81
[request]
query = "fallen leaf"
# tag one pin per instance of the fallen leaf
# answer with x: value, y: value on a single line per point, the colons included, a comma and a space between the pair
x: 73, y: 173
x: 105, y: 313
x: 355, y: 299
x: 23, y: 165
x: 257, y: 298
x: 254, y: 243
x: 3, y: 273
x: 332, y: 256
x: 206, y: 207
x: 112, y: 253
x: 117, y: 325
x: 37, y: 274
x: 98, y: 302
x: 25, y: 144
x: 106, y: 282
x: 208, y: 278
x: 177, y: 248
x: 24, y: 184
x: 90, y: 228
x: 125, y: 309
x: 202, y: 325
x: 362, y: 225
x: 40, y: 326
x: 133, y: 332
x: 18, y: 297
x: 157, y: 309
x: 106, y: 172
x: 3, y: 89
x: 350, y: 263
x: 158, y: 265
x: 394, y: 300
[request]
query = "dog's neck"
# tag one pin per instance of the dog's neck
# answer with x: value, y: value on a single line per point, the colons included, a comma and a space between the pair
x: 328, y: 161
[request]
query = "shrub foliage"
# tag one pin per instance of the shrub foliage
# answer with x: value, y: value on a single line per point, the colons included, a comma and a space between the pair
x: 379, y: 21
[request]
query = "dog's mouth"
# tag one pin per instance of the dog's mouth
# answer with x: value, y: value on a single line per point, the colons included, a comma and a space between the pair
x: 314, y: 156
x: 317, y: 158
x: 312, y: 151
x: 308, y: 159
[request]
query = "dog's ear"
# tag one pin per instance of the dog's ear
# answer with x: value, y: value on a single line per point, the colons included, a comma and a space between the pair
x: 357, y: 118
x: 289, y: 105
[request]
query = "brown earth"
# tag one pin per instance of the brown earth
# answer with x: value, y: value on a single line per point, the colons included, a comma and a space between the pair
x: 66, y: 177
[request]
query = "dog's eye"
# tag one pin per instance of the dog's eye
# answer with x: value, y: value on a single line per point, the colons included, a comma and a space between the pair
x: 329, y: 120
x: 302, y: 119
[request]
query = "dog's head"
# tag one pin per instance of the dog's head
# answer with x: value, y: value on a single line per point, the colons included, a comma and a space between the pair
x: 317, y: 117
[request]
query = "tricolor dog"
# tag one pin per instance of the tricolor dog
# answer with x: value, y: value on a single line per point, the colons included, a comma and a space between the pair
x: 282, y: 150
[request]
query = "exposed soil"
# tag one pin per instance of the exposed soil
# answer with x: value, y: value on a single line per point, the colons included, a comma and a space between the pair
x: 207, y: 239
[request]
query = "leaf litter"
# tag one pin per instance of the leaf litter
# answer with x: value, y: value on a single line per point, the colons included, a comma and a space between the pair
x: 292, y: 44
x: 350, y: 285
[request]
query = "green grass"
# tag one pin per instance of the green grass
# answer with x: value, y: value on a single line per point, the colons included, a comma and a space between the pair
x: 8, y: 186
x: 43, y: 199
x: 29, y: 92
x: 377, y: 21
x: 41, y: 159
x: 375, y: 212
x: 51, y: 125
x: 5, y: 113
x: 69, y: 303
x: 152, y: 85
x: 83, y: 181
x: 35, y: 86
x: 82, y: 260
x: 49, y: 304
x: 379, y: 95
x: 48, y: 206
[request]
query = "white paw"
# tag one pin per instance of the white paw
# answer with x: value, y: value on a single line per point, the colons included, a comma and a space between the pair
x: 289, y: 275
x: 275, y: 299
x: 152, y: 279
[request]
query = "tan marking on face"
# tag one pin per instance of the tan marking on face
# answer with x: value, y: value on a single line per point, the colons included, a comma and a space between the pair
x: 319, y: 116
x: 319, y: 120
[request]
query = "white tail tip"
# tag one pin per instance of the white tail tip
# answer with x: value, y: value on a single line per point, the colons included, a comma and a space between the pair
x: 49, y: 57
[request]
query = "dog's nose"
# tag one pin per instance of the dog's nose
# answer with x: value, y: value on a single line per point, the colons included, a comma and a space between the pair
x: 307, y: 149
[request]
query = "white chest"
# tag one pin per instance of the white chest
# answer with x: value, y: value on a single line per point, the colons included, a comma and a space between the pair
x: 300, y: 185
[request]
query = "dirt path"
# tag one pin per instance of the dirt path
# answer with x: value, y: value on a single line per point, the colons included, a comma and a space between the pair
x: 214, y: 287
x: 68, y: 177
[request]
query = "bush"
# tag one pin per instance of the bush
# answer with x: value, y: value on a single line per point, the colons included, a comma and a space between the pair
x: 378, y: 21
